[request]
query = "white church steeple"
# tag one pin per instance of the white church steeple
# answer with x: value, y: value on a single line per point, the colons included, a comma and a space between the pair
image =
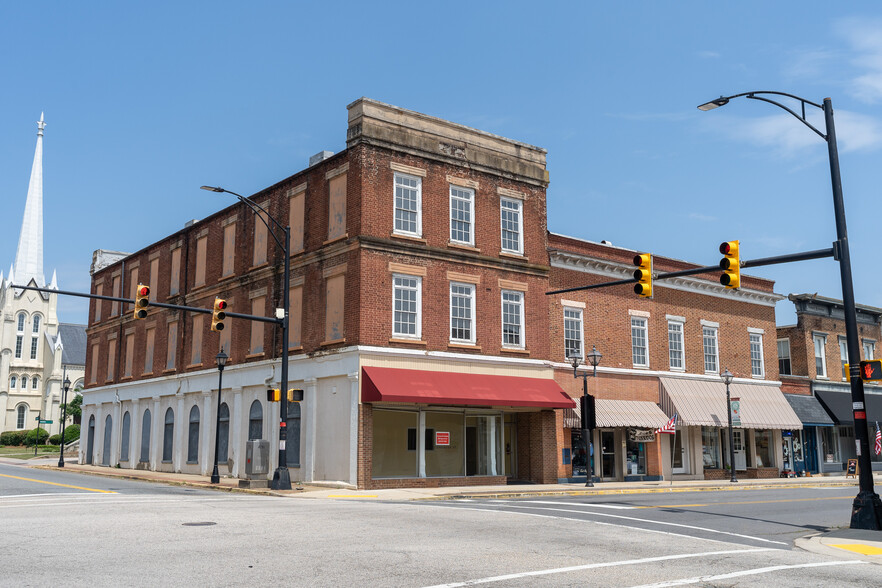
x: 29, y: 255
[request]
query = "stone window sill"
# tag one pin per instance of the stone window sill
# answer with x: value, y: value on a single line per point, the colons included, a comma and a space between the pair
x: 463, y: 246
x: 334, y: 342
x: 471, y: 346
x: 407, y: 341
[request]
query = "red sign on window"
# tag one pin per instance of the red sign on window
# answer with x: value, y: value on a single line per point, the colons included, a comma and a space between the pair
x: 442, y: 438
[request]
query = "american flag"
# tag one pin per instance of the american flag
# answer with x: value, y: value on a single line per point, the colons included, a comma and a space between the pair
x: 878, y: 447
x: 671, y: 427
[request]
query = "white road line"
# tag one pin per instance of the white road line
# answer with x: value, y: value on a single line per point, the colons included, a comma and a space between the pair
x: 752, y: 572
x: 650, y: 521
x: 89, y: 494
x: 609, y: 564
x: 591, y: 504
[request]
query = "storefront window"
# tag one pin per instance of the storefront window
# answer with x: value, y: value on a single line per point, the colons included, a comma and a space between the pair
x: 445, y: 460
x: 710, y: 442
x: 636, y: 457
x: 483, y: 445
x: 763, y: 438
x: 830, y: 444
x: 394, y: 454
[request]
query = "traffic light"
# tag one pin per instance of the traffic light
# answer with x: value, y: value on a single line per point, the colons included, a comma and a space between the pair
x: 730, y: 264
x: 643, y: 275
x: 871, y: 370
x: 295, y: 395
x: 142, y: 301
x: 274, y: 395
x: 219, y: 314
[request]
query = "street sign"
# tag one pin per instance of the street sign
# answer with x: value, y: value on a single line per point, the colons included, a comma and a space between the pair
x: 871, y: 370
x: 42, y: 422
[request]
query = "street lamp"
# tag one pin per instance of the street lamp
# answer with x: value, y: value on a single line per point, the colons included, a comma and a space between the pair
x: 727, y: 378
x: 867, y: 508
x: 594, y: 359
x: 65, y: 387
x: 281, y: 477
x: 221, y: 359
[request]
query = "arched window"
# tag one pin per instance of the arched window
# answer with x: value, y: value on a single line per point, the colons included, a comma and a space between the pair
x: 255, y: 421
x: 145, y: 437
x: 193, y: 436
x: 90, y: 440
x: 35, y: 383
x: 13, y: 380
x: 168, y: 436
x: 21, y: 415
x: 108, y: 436
x: 24, y: 382
x: 36, y: 330
x: 292, y: 453
x: 223, y: 442
x: 21, y: 322
x: 124, y: 441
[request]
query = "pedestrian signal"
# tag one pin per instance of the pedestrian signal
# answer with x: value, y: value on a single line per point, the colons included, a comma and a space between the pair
x: 274, y: 395
x: 295, y: 395
x: 871, y: 370
x: 730, y: 264
x: 219, y: 314
x: 142, y: 301
x: 643, y: 275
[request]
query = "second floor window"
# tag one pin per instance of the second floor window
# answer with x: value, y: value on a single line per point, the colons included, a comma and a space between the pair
x: 573, y: 332
x: 406, y: 312
x: 784, y: 367
x: 408, y: 205
x: 820, y: 356
x: 675, y: 345
x: 34, y: 347
x: 512, y: 235
x: 711, y: 349
x: 512, y: 319
x: 869, y: 348
x: 638, y: 342
x: 757, y: 369
x: 462, y: 316
x: 843, y: 356
x: 461, y: 212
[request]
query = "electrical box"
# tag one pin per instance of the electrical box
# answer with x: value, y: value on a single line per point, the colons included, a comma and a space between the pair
x: 256, y: 458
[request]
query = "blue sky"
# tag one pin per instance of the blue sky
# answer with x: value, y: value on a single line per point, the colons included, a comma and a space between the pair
x: 145, y: 102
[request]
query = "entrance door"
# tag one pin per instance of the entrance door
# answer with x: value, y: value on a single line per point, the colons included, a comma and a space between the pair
x: 105, y: 452
x: 510, y: 449
x: 740, y: 455
x: 810, y: 442
x: 680, y: 456
x: 90, y: 440
x: 608, y: 455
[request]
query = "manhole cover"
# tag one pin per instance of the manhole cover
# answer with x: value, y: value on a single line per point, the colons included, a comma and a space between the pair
x: 199, y: 524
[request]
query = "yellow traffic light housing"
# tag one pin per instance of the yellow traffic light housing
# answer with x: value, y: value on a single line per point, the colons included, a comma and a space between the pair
x: 219, y: 314
x: 643, y: 275
x: 295, y: 395
x: 730, y: 264
x: 142, y: 301
x: 274, y: 395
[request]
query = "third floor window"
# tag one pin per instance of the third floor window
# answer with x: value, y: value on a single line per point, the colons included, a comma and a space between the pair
x: 462, y: 229
x: 511, y: 223
x: 408, y: 205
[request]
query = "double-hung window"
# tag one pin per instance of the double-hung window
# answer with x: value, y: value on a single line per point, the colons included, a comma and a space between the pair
x: 784, y: 367
x: 757, y: 367
x: 513, y: 319
x: 820, y: 342
x: 869, y: 348
x: 462, y: 226
x: 843, y: 355
x: 573, y: 333
x: 675, y: 345
x: 462, y: 313
x: 407, y: 303
x: 408, y: 205
x: 711, y: 349
x: 511, y: 215
x: 639, y: 350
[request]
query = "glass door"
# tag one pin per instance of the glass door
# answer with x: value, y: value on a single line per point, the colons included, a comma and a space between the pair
x: 608, y: 455
x: 680, y: 456
x: 740, y: 455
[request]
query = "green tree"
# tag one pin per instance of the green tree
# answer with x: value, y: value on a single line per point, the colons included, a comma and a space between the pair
x: 74, y: 407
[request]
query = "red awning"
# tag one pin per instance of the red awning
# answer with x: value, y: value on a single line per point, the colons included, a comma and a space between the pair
x: 424, y: 387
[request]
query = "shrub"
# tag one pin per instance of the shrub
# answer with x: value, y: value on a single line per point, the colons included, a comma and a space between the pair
x: 55, y: 439
x: 38, y: 435
x: 71, y: 433
x: 12, y: 438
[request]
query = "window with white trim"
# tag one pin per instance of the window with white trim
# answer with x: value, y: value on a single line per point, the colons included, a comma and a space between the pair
x: 36, y: 329
x: 34, y: 341
x: 675, y: 345
x: 757, y: 366
x: 35, y: 383
x: 820, y: 356
x: 573, y: 333
x: 843, y: 356
x: 19, y: 337
x: 784, y: 367
x: 462, y: 312
x: 711, y: 349
x: 408, y: 205
x: 511, y: 225
x: 24, y: 382
x: 461, y: 213
x: 20, y: 416
x: 639, y: 353
x: 21, y: 322
x: 513, y: 319
x: 869, y: 348
x: 13, y: 380
x: 407, y: 305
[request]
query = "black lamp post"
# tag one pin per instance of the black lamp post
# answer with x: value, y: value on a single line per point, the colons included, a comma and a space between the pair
x: 281, y: 477
x: 65, y: 388
x: 587, y: 406
x: 221, y: 359
x: 727, y: 378
x: 867, y: 508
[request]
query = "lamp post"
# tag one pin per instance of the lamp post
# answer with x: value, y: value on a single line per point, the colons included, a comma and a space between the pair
x: 65, y: 388
x: 281, y: 477
x: 586, y: 406
x: 727, y: 378
x: 221, y: 359
x: 867, y: 508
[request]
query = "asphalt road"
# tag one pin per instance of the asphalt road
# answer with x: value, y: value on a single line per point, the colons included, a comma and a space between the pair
x: 95, y: 531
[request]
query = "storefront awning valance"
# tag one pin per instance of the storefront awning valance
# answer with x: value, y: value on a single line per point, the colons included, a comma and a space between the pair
x: 839, y: 405
x: 809, y: 410
x: 460, y: 389
x: 703, y: 403
x: 618, y: 413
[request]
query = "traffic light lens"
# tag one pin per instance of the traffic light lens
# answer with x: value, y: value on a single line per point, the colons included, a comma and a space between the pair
x: 143, y: 291
x: 219, y: 327
x: 725, y: 248
x: 221, y: 304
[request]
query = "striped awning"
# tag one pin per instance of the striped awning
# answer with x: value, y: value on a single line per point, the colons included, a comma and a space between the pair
x: 619, y: 413
x: 703, y: 403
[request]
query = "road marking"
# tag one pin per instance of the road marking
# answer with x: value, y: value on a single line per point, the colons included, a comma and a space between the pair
x: 859, y: 548
x: 591, y: 504
x: 57, y: 484
x: 752, y: 572
x: 650, y: 521
x: 609, y: 564
x: 747, y: 502
x: 42, y: 494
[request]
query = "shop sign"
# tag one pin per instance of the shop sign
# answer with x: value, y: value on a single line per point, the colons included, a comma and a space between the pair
x: 736, y: 412
x: 641, y: 435
x: 442, y: 438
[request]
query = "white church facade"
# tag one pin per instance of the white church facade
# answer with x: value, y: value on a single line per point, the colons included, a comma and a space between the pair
x: 37, y: 352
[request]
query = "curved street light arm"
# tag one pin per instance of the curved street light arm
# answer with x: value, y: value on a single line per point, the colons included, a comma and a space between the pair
x: 723, y: 100
x: 257, y: 209
x: 799, y: 118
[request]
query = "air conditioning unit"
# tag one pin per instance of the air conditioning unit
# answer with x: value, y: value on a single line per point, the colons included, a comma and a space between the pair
x: 256, y: 458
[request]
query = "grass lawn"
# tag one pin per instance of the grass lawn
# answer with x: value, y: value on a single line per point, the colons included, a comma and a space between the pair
x: 23, y: 452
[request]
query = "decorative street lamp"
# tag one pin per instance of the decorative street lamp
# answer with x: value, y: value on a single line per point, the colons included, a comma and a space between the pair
x: 587, y: 405
x: 281, y: 477
x: 221, y: 359
x: 867, y: 508
x: 727, y: 378
x: 65, y: 387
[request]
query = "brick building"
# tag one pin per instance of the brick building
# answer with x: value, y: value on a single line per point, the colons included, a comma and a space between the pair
x: 812, y: 355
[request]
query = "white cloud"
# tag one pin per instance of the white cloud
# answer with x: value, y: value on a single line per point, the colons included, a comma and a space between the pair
x: 865, y: 38
x: 705, y: 218
x: 709, y: 54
